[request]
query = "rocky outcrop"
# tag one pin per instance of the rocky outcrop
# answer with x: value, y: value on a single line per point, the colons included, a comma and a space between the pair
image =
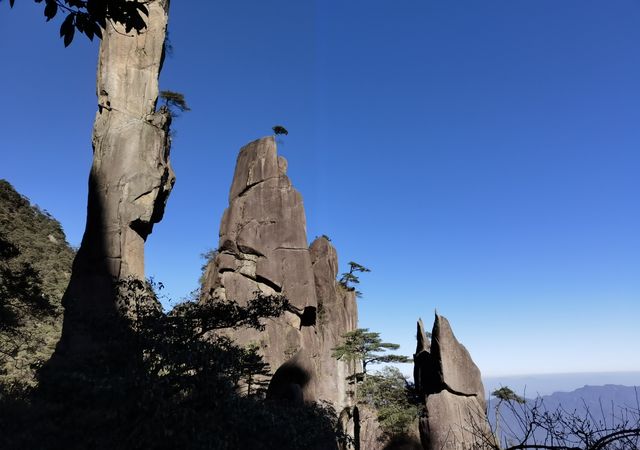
x: 370, y: 436
x: 449, y: 380
x: 263, y: 248
x: 337, y: 314
x: 130, y: 177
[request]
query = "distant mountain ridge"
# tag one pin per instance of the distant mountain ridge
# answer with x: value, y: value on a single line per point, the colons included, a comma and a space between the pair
x: 546, y: 384
x: 605, y: 406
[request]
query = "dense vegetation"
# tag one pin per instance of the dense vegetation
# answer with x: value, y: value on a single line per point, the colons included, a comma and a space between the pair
x: 163, y: 380
x: 156, y: 380
x: 386, y: 392
x: 35, y: 266
x: 393, y: 399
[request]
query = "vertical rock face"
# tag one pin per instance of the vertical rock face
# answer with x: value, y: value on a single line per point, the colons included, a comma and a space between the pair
x: 450, y: 382
x: 263, y: 248
x: 130, y: 177
x: 337, y: 314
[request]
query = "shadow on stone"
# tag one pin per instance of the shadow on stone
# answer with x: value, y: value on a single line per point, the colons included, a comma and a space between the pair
x: 288, y: 384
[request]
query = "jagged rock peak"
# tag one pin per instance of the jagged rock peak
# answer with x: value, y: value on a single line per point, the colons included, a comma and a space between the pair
x: 263, y: 231
x: 263, y: 247
x: 257, y: 161
x: 458, y: 373
x: 452, y: 388
x: 423, y: 341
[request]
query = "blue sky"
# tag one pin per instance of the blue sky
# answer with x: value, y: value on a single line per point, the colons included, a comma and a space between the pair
x: 481, y: 157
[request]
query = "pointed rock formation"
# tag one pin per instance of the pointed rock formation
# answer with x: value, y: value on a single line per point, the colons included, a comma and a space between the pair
x: 130, y: 177
x: 450, y: 382
x: 263, y: 248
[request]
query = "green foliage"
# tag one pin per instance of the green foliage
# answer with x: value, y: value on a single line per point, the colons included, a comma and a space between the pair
x: 365, y: 346
x: 209, y: 256
x: 91, y: 16
x: 392, y: 396
x: 173, y: 102
x: 170, y: 381
x: 505, y: 394
x: 35, y: 266
x: 279, y: 129
x: 348, y: 279
x: 253, y: 371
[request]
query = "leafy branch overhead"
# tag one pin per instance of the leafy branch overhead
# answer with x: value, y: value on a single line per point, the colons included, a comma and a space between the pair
x: 91, y: 16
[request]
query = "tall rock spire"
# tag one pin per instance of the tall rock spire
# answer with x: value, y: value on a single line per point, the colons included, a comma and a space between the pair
x: 130, y: 178
x: 263, y: 248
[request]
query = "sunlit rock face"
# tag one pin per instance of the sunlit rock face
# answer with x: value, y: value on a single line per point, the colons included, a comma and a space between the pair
x: 337, y: 314
x: 450, y: 382
x: 130, y: 178
x: 263, y: 248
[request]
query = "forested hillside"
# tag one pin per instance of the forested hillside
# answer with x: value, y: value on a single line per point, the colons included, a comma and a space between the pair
x: 35, y: 266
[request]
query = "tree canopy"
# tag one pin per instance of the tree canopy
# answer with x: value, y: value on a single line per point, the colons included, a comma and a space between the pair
x: 393, y: 397
x: 90, y: 17
x: 279, y: 129
x: 348, y: 279
x: 366, y: 346
x: 174, y: 101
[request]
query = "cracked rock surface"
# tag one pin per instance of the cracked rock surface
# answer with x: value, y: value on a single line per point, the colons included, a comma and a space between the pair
x: 263, y: 248
x: 450, y: 382
x: 130, y: 178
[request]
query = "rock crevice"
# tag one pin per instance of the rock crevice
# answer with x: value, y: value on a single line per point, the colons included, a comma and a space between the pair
x: 450, y: 384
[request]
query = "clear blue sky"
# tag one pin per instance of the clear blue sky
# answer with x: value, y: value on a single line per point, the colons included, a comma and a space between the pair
x: 482, y: 157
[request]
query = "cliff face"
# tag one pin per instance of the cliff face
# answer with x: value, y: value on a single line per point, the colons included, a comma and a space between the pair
x: 451, y: 384
x: 337, y: 314
x: 130, y: 177
x: 263, y: 248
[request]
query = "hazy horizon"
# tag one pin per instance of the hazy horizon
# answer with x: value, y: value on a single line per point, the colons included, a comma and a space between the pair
x: 548, y: 383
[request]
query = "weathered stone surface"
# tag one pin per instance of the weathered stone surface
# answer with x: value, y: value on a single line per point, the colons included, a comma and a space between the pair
x: 370, y: 435
x: 457, y: 371
x: 451, y: 422
x: 451, y: 384
x: 263, y: 248
x: 337, y: 314
x: 130, y: 178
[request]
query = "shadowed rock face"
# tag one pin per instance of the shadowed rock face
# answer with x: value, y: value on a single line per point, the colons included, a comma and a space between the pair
x: 450, y: 382
x: 263, y: 248
x: 130, y: 178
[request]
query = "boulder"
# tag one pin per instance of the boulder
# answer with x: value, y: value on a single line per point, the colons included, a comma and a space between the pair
x: 452, y: 422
